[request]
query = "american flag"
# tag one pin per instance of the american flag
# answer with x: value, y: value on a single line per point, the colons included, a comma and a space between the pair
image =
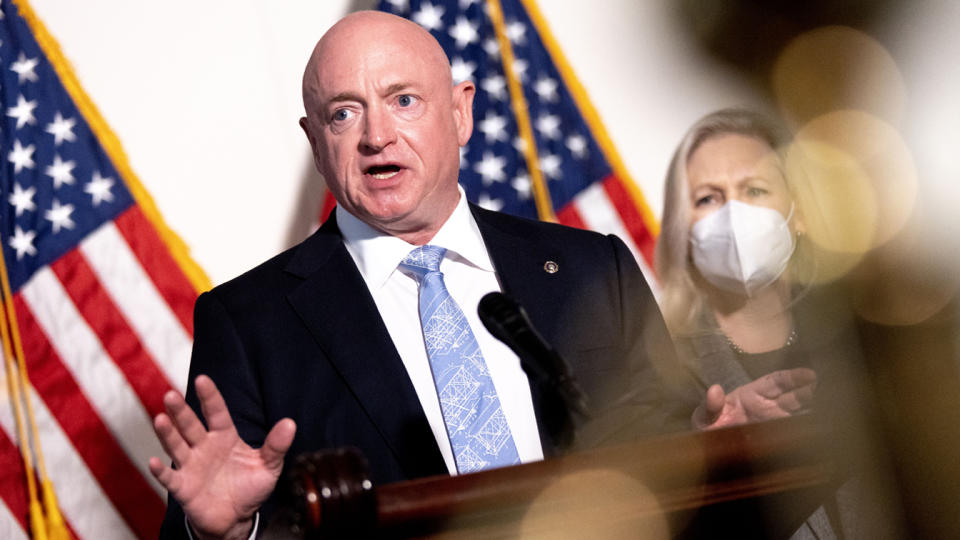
x: 572, y: 157
x: 102, y: 292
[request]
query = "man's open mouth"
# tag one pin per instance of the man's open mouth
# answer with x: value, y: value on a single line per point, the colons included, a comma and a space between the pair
x: 382, y: 172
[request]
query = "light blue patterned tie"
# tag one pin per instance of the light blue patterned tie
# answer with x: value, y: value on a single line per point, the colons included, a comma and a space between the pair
x: 478, y: 430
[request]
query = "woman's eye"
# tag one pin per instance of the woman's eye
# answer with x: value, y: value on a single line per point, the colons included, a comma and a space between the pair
x: 406, y: 100
x: 707, y: 199
x: 756, y: 192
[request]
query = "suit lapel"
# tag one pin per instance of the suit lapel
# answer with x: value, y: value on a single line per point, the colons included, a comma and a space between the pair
x: 334, y: 303
x: 519, y: 261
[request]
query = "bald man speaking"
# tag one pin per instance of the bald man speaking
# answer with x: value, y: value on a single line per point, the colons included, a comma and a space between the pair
x: 367, y: 334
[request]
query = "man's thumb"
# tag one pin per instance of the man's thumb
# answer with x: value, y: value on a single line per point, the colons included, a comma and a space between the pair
x: 277, y: 443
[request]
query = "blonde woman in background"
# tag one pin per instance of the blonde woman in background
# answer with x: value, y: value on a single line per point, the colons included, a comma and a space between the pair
x: 726, y: 256
x: 760, y: 341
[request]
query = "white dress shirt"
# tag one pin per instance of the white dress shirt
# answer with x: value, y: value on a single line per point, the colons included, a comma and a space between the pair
x: 469, y: 275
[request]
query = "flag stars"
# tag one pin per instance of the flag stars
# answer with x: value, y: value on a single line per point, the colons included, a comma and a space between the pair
x: 399, y: 6
x: 22, y: 199
x: 22, y: 242
x: 517, y: 32
x: 520, y: 69
x: 495, y: 86
x: 492, y: 47
x: 493, y: 127
x: 550, y: 165
x: 546, y: 88
x: 21, y: 157
x: 490, y: 168
x: 61, y: 171
x: 522, y: 184
x: 461, y: 70
x: 429, y: 16
x: 463, y: 157
x: 520, y: 144
x: 485, y: 201
x: 23, y: 111
x: 549, y: 126
x: 577, y: 144
x: 464, y: 32
x: 24, y: 68
x: 99, y: 189
x: 62, y: 129
x: 59, y: 216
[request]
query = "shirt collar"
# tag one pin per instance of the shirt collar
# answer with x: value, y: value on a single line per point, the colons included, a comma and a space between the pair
x: 378, y: 254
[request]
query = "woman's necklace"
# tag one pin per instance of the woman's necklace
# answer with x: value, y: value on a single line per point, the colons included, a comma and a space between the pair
x: 791, y: 339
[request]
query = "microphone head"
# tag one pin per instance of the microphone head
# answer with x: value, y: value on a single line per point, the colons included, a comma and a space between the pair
x: 502, y: 316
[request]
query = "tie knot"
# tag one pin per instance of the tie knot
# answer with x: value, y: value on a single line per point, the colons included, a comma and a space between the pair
x: 424, y: 259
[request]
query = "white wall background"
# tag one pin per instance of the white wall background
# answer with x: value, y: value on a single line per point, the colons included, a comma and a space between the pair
x: 204, y: 96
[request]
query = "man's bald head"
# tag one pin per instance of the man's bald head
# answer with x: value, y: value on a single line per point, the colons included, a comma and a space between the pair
x: 386, y: 122
x: 363, y: 28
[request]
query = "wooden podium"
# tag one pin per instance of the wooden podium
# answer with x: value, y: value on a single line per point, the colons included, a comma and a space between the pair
x: 684, y: 485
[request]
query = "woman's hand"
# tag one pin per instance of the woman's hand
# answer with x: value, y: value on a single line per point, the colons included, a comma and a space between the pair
x: 775, y: 395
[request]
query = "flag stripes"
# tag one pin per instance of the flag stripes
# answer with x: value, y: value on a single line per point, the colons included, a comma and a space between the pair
x: 630, y: 217
x: 100, y: 359
x: 74, y: 355
x: 106, y: 321
x: 11, y: 474
x: 603, y: 207
x: 8, y: 524
x: 147, y: 246
x: 99, y: 520
x: 103, y: 294
x: 132, y: 289
x: 87, y: 432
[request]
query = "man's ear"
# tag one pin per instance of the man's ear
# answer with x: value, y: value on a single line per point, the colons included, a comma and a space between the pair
x: 314, y: 145
x: 463, y: 110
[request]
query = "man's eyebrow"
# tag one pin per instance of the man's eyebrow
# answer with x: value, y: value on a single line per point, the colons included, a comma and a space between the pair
x: 344, y: 96
x: 351, y: 96
x: 397, y: 87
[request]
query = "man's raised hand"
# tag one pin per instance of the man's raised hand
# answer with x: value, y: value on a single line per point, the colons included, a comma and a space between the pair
x: 220, y: 481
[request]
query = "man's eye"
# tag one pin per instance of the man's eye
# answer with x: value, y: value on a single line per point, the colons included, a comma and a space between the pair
x: 406, y: 100
x: 340, y: 115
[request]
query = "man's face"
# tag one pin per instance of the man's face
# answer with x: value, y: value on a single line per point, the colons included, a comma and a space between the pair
x: 386, y: 124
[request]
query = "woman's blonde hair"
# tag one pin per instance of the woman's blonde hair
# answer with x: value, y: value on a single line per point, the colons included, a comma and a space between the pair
x: 682, y: 304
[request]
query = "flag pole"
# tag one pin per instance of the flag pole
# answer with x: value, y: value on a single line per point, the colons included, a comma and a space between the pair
x: 17, y: 383
x: 541, y: 194
x: 590, y: 115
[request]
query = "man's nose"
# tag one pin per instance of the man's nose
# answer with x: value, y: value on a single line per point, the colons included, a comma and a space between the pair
x: 379, y: 129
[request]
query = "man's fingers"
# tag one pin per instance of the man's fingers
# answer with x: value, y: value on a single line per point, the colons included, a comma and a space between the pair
x: 184, y: 419
x: 212, y: 404
x: 171, y: 440
x: 164, y: 474
x: 277, y: 443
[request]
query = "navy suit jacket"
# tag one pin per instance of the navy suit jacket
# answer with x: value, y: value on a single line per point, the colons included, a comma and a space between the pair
x: 300, y: 336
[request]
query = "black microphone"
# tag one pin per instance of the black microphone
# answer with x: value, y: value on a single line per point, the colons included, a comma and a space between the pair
x: 508, y: 322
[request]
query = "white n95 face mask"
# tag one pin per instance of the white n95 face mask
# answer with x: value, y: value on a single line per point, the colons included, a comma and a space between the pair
x: 742, y: 248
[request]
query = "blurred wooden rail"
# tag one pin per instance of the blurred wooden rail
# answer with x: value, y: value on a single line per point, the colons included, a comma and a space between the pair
x: 665, y: 481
